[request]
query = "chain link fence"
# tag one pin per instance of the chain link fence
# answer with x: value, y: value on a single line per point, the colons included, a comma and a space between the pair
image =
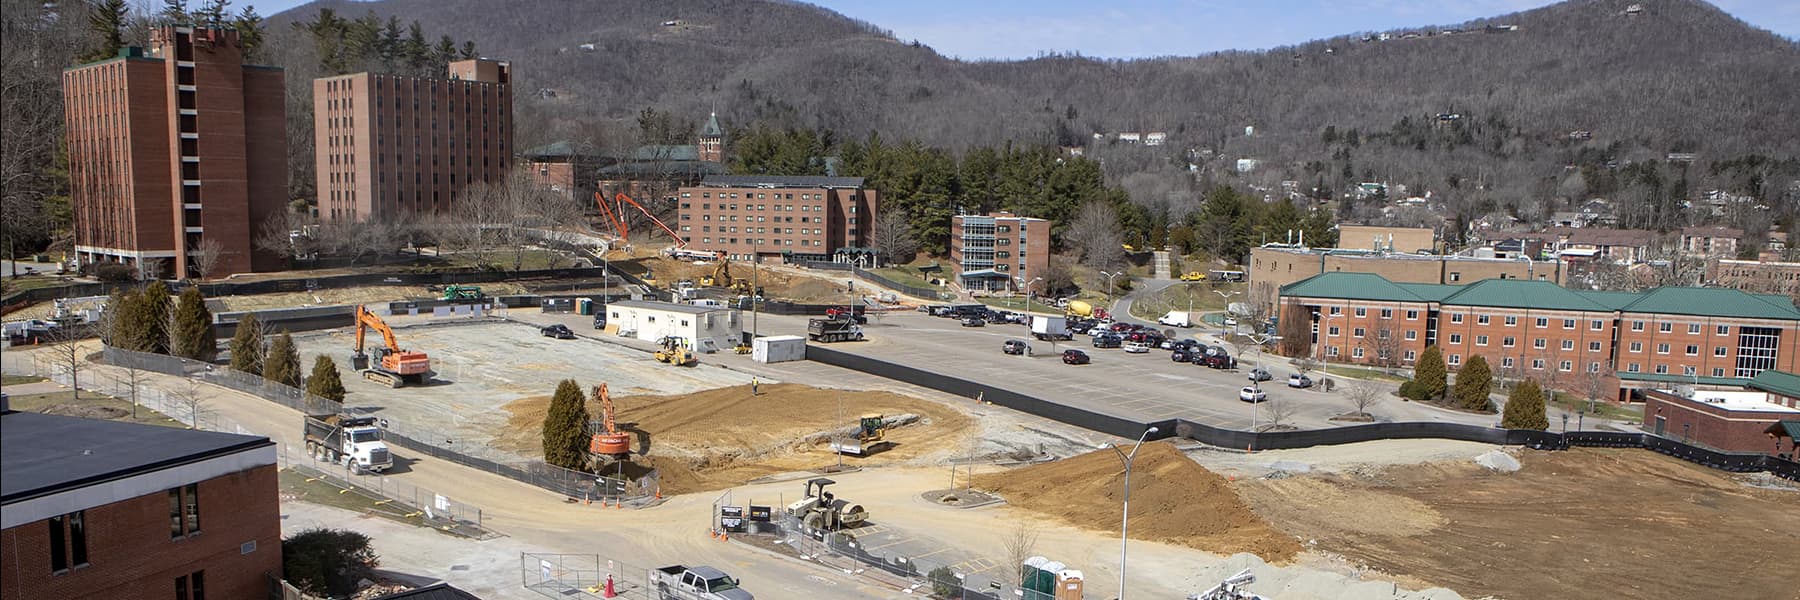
x: 926, y: 573
x: 582, y: 576
x: 393, y: 496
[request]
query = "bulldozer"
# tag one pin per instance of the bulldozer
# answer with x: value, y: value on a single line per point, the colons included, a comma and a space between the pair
x: 607, y: 445
x: 675, y: 352
x: 390, y: 364
x: 866, y: 440
x: 820, y: 510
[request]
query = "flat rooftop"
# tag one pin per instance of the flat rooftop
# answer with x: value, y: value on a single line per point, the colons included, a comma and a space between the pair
x: 44, y: 454
x: 669, y: 306
x: 1753, y: 401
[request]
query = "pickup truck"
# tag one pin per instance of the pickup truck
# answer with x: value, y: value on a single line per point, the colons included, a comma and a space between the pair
x: 694, y: 583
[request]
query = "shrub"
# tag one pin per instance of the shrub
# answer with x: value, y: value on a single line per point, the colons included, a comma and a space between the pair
x: 325, y: 381
x: 1525, y: 407
x: 1430, y: 375
x: 1410, y: 390
x: 1473, y: 384
x: 944, y: 583
x: 115, y: 273
x: 564, y: 424
x: 327, y: 562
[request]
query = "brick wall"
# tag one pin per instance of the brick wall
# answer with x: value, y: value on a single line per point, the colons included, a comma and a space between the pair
x: 1701, y: 423
x: 131, y: 555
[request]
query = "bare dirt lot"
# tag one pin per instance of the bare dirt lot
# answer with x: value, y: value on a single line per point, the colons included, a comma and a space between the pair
x: 724, y: 437
x: 1174, y: 500
x: 776, y: 284
x: 373, y: 294
x: 1583, y: 523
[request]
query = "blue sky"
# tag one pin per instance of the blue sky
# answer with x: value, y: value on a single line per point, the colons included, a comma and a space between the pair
x: 975, y: 29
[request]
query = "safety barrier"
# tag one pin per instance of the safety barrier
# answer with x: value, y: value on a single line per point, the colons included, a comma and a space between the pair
x: 1232, y: 438
x: 233, y: 288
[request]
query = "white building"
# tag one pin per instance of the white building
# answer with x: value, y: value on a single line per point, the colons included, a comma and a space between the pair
x: 704, y: 328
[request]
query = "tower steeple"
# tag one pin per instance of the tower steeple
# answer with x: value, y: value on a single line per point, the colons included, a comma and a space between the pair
x: 712, y: 140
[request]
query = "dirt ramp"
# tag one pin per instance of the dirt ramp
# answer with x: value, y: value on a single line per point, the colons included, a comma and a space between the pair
x: 1174, y: 500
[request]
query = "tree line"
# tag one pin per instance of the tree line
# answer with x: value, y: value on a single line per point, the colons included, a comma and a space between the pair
x: 146, y: 320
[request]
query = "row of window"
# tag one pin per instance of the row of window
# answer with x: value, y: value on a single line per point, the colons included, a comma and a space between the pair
x: 761, y: 219
x: 764, y: 207
x: 774, y: 230
x: 756, y: 196
x: 762, y: 241
x: 68, y: 532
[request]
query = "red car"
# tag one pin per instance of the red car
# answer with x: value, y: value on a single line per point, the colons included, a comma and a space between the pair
x: 1075, y: 357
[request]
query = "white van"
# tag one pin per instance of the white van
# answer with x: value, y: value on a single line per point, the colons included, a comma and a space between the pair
x: 707, y: 302
x: 1176, y: 318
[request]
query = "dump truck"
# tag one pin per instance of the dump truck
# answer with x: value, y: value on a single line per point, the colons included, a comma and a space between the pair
x: 1048, y: 328
x: 348, y: 440
x: 694, y: 583
x: 833, y: 330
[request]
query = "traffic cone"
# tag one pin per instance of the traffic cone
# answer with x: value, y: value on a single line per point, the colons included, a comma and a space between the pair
x: 610, y: 592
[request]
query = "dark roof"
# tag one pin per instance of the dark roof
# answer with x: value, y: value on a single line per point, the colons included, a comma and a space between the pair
x: 666, y: 153
x: 563, y: 150
x: 673, y: 169
x: 782, y: 181
x: 1543, y: 295
x: 437, y: 591
x: 45, y: 454
x: 712, y: 129
x: 1777, y: 382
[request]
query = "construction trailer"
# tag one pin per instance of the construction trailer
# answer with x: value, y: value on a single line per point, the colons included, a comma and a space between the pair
x: 704, y: 329
x: 778, y: 348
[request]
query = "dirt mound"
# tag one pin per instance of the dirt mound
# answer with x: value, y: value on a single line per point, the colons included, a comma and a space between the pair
x: 1174, y: 500
x: 87, y: 411
x: 723, y: 437
x: 1690, y: 531
x: 778, y: 285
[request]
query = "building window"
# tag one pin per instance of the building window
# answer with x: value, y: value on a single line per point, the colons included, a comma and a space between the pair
x: 1412, y: 315
x: 1456, y: 317
x: 1411, y: 355
x: 1693, y: 329
x: 1662, y: 348
x: 1568, y: 344
x: 1481, y: 319
x: 1481, y: 340
x: 1331, y: 351
x: 1568, y: 323
x: 1719, y: 351
x: 1387, y: 313
x: 1455, y: 276
x: 191, y: 587
x: 1362, y: 312
x: 1455, y: 359
x: 1662, y: 369
x: 1456, y: 338
x: 1693, y: 350
x: 1337, y: 310
x: 1539, y: 343
x: 1511, y: 321
x: 184, y: 511
x: 1359, y: 332
x: 1411, y: 335
x: 1566, y: 366
x: 1537, y: 364
x: 1506, y: 342
x: 1506, y: 362
x: 1543, y: 322
x: 1665, y: 327
x: 1718, y: 372
x: 1333, y: 332
x: 1637, y: 346
x: 1631, y: 368
x: 1637, y: 325
x: 1722, y: 330
x: 1593, y: 346
x: 1356, y: 352
x: 1756, y: 350
x: 68, y: 541
x: 1597, y: 325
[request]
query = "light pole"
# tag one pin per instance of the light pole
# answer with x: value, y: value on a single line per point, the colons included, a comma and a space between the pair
x: 1223, y: 294
x: 1109, y: 282
x: 1325, y: 336
x: 1026, y: 287
x: 1125, y: 509
x: 1256, y: 383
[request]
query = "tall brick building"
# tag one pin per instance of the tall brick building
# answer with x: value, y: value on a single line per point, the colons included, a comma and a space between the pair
x: 179, y: 149
x: 389, y: 146
x: 105, y: 509
x: 1565, y: 337
x: 799, y: 218
x: 999, y: 251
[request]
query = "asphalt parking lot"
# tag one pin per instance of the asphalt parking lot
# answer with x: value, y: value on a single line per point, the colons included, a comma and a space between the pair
x: 1143, y: 387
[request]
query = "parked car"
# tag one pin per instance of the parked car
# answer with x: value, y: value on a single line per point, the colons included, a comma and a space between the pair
x: 558, y: 331
x: 973, y: 322
x: 1260, y: 374
x: 1180, y: 355
x: 600, y: 320
x: 1015, y: 347
x: 1299, y: 381
x: 1220, y: 360
x: 1169, y: 343
x: 1137, y: 348
x: 1075, y: 357
x: 1108, y: 340
x: 1251, y: 394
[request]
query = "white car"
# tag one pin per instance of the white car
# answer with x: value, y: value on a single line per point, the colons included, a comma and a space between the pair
x: 1137, y: 347
x: 1299, y: 381
x: 1251, y: 394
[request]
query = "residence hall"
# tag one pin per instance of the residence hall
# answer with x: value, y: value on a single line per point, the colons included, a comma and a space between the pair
x: 1567, y: 339
x: 389, y: 146
x: 109, y: 509
x: 174, y: 153
x: 999, y: 251
x: 759, y: 216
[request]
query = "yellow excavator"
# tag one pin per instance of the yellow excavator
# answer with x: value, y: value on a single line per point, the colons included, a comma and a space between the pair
x: 675, y: 352
x: 721, y: 277
x: 390, y: 365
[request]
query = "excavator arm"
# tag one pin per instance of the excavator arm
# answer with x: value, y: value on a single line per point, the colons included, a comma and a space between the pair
x: 606, y: 409
x: 367, y: 320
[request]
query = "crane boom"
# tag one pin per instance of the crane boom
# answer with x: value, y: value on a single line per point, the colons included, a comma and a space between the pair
x: 615, y: 216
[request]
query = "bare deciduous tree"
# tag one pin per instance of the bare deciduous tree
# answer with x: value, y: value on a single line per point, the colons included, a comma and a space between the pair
x: 1277, y: 413
x: 206, y: 257
x: 893, y: 236
x: 64, y: 349
x: 1096, y: 231
x: 1019, y: 542
x: 1362, y: 395
x: 190, y: 393
x: 1383, y: 343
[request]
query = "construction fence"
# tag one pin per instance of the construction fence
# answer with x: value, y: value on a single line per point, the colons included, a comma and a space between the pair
x: 568, y: 482
x: 582, y: 576
x: 1252, y: 440
x: 397, y: 498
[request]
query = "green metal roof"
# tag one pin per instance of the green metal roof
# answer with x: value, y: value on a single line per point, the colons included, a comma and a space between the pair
x: 1522, y: 293
x: 666, y: 153
x: 1791, y: 429
x: 1683, y: 379
x: 1777, y: 382
x: 1349, y: 286
x: 1430, y: 291
x: 1611, y: 300
x: 712, y: 129
x: 562, y: 149
x: 1709, y: 302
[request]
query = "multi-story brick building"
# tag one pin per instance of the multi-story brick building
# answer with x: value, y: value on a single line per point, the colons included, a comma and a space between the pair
x: 1390, y: 239
x: 1764, y: 277
x: 563, y: 167
x: 999, y: 251
x: 652, y: 172
x: 106, y: 509
x: 1273, y: 266
x: 389, y: 146
x: 176, y: 151
x: 799, y: 218
x: 1568, y: 339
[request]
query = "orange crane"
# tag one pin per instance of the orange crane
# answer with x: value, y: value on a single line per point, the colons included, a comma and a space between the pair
x: 615, y: 214
x: 391, y: 365
x: 609, y: 444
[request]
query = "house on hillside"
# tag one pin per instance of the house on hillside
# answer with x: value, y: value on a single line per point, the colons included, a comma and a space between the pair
x: 1155, y: 138
x: 1710, y: 241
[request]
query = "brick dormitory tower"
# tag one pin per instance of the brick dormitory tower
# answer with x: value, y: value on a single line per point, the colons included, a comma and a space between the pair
x: 177, y: 149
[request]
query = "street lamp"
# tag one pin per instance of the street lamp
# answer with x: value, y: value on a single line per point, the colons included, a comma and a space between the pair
x: 1026, y: 286
x: 1325, y: 336
x: 1109, y: 282
x: 1223, y: 294
x: 1125, y: 509
x: 1256, y: 383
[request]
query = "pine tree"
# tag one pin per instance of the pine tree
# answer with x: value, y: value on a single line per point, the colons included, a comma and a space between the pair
x: 564, y: 425
x: 249, y: 26
x: 153, y: 307
x: 325, y: 381
x: 1430, y: 375
x: 1525, y: 407
x: 106, y: 19
x: 247, y: 346
x: 174, y: 12
x: 282, y: 365
x: 193, y: 336
x: 127, y: 330
x: 1474, y: 381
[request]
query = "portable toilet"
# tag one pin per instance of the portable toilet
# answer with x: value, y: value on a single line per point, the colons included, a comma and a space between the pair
x: 584, y: 306
x: 1034, y: 577
x: 1068, y: 584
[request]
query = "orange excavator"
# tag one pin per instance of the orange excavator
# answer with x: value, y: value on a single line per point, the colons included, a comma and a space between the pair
x: 391, y: 365
x: 609, y: 444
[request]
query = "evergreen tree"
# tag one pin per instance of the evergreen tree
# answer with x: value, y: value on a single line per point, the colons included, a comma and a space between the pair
x: 127, y: 324
x: 391, y: 40
x: 213, y: 14
x: 416, y: 51
x: 106, y: 19
x: 468, y: 51
x: 174, y: 12
x: 247, y: 346
x: 1525, y: 407
x: 1474, y: 381
x: 564, y: 425
x: 249, y: 26
x: 1430, y: 376
x: 325, y: 382
x: 193, y: 336
x: 282, y: 365
x: 446, y: 51
x: 153, y: 308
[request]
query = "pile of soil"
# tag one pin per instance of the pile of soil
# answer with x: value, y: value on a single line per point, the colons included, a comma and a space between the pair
x: 777, y: 285
x: 1174, y: 500
x: 1580, y: 523
x: 724, y: 437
